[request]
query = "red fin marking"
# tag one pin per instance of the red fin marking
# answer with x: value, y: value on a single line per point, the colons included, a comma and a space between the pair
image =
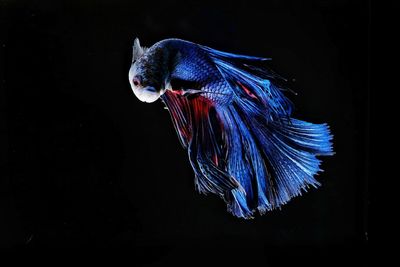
x: 201, y: 108
x: 215, y: 159
x: 247, y: 90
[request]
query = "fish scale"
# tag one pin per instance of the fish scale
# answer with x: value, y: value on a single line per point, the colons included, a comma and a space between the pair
x: 197, y: 66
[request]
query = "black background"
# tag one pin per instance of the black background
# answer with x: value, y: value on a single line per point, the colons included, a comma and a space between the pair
x: 91, y: 166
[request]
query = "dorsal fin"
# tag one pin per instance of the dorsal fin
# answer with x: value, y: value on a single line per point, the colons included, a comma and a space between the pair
x: 226, y: 55
x: 138, y: 50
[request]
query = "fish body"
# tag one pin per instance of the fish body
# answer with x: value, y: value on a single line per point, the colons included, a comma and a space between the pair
x: 188, y: 65
x: 231, y: 115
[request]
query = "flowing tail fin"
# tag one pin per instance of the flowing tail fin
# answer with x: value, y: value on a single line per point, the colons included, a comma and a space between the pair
x: 273, y: 161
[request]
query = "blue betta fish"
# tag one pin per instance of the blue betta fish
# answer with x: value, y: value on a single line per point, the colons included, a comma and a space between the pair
x: 231, y: 115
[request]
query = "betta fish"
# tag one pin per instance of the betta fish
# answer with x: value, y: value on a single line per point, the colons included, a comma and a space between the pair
x: 233, y: 118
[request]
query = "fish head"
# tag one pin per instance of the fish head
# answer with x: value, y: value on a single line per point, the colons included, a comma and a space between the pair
x: 147, y: 75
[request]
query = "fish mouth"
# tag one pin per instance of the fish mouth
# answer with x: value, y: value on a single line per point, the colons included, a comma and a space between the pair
x: 147, y: 94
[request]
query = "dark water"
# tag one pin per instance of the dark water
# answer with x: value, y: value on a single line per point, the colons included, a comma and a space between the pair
x: 88, y: 165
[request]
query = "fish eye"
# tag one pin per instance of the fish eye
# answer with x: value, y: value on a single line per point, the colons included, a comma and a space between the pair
x: 136, y: 81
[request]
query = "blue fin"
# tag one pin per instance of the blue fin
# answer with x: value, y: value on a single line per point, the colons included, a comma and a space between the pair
x: 231, y: 56
x: 199, y: 131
